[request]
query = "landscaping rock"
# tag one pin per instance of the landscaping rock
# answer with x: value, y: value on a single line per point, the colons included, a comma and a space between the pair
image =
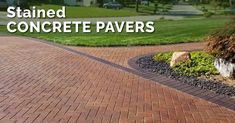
x: 226, y: 69
x: 178, y: 57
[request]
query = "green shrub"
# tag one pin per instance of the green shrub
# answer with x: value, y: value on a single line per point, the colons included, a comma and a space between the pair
x: 200, y: 64
x: 208, y: 14
x: 165, y: 10
x: 204, y: 9
x: 166, y: 57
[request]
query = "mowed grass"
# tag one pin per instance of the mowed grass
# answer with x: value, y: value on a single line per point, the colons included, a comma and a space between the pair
x: 167, y: 32
x: 89, y: 12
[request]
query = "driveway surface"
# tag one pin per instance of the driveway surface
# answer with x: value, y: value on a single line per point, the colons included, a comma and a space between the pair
x: 40, y: 82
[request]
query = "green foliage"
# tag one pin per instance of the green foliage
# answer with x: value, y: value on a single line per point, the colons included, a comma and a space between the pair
x: 166, y: 57
x: 155, y: 7
x: 200, y: 64
x: 38, y: 2
x: 208, y: 14
x: 165, y: 1
x: 204, y: 9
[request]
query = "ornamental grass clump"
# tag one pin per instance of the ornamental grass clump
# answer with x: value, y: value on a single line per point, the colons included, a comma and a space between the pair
x: 221, y: 43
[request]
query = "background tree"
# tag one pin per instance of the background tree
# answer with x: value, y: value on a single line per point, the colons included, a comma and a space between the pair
x: 231, y: 3
x: 22, y: 4
x: 137, y: 6
x: 215, y: 4
x: 100, y: 3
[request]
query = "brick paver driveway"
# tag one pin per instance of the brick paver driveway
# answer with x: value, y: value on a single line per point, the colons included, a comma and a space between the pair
x: 44, y: 83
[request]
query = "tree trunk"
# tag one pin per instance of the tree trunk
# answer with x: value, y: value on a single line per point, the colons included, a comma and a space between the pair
x: 137, y: 6
x: 230, y: 3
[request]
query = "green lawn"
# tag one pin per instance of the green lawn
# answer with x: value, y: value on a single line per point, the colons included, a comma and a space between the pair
x: 188, y: 30
x: 88, y: 12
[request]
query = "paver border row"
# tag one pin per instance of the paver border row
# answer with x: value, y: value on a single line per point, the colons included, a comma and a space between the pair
x: 207, y: 95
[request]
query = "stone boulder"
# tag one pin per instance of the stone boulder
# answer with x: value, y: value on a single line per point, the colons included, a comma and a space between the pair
x: 179, y: 57
x: 226, y: 69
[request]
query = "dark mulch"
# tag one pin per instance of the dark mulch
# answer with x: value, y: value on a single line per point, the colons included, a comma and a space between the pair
x: 147, y: 63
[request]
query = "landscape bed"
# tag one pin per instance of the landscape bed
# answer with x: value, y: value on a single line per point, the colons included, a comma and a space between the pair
x: 150, y: 64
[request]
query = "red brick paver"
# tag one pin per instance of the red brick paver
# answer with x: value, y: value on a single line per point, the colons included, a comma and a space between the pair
x: 42, y: 83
